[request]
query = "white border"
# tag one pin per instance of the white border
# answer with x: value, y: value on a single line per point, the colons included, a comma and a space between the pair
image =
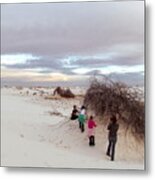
x: 39, y: 174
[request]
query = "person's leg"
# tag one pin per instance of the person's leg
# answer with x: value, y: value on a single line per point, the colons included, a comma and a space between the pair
x: 79, y: 124
x: 93, y: 140
x: 113, y: 150
x: 89, y: 140
x: 109, y: 148
x: 82, y: 127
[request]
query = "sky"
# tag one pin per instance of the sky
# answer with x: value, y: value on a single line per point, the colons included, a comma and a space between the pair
x: 45, y: 43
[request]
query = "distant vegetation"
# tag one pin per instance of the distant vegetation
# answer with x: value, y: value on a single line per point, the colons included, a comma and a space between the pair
x: 66, y: 93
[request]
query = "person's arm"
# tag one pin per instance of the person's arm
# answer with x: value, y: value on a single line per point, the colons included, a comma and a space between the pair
x: 77, y: 111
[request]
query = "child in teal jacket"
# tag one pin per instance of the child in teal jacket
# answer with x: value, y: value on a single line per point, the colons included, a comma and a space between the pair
x: 82, y: 118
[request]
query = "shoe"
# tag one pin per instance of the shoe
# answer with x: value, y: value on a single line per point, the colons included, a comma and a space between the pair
x: 107, y: 154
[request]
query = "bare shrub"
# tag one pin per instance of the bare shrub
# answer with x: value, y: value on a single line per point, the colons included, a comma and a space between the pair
x: 66, y: 93
x: 108, y: 98
x: 34, y: 94
x: 19, y: 87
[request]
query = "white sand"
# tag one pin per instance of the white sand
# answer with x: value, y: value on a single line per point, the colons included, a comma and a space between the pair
x: 31, y: 136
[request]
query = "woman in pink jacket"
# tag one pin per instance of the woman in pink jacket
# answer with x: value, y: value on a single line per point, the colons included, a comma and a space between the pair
x: 91, y: 131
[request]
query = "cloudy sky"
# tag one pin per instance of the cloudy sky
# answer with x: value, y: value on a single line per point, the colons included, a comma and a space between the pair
x: 70, y: 42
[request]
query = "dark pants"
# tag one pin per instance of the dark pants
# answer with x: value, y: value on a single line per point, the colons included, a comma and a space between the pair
x: 81, y: 126
x: 111, y: 148
x: 91, y: 141
x: 74, y: 117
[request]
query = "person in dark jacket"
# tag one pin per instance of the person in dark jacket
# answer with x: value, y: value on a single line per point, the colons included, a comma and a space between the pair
x: 112, y: 136
x: 75, y: 113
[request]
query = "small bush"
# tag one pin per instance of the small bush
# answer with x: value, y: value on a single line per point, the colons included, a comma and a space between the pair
x: 66, y: 93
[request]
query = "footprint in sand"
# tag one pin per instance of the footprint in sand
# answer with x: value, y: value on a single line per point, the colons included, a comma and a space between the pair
x: 61, y: 141
x: 25, y: 154
x: 42, y: 139
x: 66, y: 147
x: 21, y: 135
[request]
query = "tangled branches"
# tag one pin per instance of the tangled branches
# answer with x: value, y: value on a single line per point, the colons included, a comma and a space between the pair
x: 108, y: 97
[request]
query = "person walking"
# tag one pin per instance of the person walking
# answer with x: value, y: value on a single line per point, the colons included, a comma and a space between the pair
x: 112, y: 136
x: 82, y: 118
x: 91, y: 131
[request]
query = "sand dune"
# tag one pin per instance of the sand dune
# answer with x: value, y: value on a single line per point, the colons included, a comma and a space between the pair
x: 37, y: 132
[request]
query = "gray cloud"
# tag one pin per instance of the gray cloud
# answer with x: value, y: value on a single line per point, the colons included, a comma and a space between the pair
x: 55, y: 31
x: 48, y: 29
x: 38, y: 63
x: 129, y: 78
x: 58, y: 64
